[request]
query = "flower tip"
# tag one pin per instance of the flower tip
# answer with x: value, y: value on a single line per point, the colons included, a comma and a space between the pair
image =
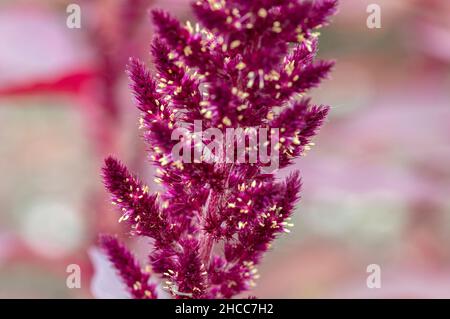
x: 112, y: 170
x: 105, y: 240
x: 158, y: 15
x: 111, y: 162
x: 132, y: 64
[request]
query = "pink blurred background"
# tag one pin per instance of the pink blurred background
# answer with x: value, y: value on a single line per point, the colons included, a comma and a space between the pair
x: 376, y: 185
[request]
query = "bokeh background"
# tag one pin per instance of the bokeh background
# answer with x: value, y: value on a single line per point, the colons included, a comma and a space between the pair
x: 376, y: 185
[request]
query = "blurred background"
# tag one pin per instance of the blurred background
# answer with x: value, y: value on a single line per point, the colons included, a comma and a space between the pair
x: 376, y: 185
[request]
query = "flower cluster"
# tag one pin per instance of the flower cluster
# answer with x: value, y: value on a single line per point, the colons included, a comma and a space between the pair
x: 248, y: 65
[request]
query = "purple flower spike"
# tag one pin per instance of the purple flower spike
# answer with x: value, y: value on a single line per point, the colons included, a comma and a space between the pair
x: 128, y: 268
x: 247, y: 66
